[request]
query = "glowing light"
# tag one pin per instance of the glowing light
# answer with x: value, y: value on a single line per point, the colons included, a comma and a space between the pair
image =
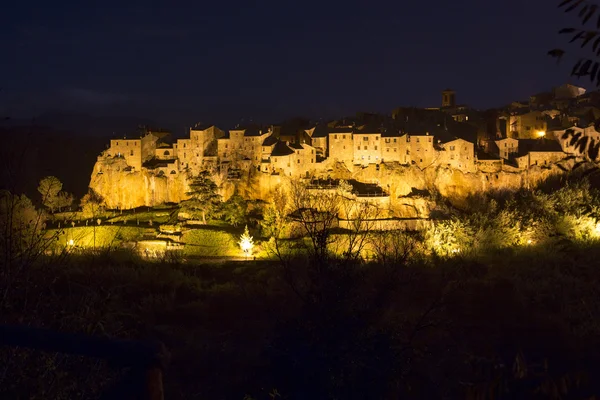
x: 541, y: 133
x: 455, y: 251
x: 597, y: 229
x: 529, y: 241
x: 246, y: 242
x: 71, y: 242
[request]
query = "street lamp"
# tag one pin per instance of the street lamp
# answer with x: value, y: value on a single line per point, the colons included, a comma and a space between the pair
x: 541, y: 133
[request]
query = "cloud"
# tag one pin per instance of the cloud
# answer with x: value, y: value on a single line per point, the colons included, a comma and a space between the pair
x: 93, y: 97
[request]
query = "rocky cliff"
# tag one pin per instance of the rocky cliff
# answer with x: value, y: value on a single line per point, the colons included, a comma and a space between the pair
x: 121, y: 188
x: 410, y: 188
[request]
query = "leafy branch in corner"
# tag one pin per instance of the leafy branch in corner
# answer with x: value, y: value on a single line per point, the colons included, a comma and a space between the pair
x: 586, y: 38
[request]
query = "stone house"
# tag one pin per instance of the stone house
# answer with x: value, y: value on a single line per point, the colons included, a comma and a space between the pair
x: 341, y: 144
x: 230, y: 147
x: 456, y: 152
x: 267, y: 149
x: 526, y: 124
x: 204, y: 139
x: 367, y: 147
x: 129, y: 149
x: 506, y: 148
x: 540, y: 152
x: 252, y: 145
x: 304, y: 159
x: 420, y: 149
x: 393, y: 147
x: 318, y: 139
x: 165, y: 152
x: 188, y: 159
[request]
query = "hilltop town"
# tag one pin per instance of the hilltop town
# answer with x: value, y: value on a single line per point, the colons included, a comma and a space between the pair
x: 524, y: 135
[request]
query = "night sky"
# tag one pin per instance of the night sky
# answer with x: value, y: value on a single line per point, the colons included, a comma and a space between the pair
x: 270, y: 60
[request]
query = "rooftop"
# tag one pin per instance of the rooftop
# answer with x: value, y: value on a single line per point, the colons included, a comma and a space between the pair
x: 281, y: 149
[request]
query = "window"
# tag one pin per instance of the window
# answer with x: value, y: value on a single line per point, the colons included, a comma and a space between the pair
x: 226, y: 145
x: 184, y: 145
x: 298, y: 161
x: 429, y: 140
x: 117, y: 143
x: 417, y: 140
x: 166, y: 153
x: 358, y: 148
x: 375, y: 147
x: 451, y: 148
x: 126, y: 143
x: 345, y: 147
x: 131, y: 153
x: 394, y: 150
x: 394, y: 140
x: 365, y: 147
x: 365, y: 139
x: 335, y: 136
x: 388, y: 150
x: 376, y: 137
x: 343, y: 136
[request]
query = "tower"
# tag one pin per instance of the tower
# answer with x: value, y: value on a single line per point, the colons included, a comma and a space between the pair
x: 448, y: 98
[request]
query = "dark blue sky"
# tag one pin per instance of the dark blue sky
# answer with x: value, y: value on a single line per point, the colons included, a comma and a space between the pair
x: 220, y: 61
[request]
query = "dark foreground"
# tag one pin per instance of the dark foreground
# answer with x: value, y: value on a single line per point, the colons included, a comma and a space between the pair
x: 508, y: 325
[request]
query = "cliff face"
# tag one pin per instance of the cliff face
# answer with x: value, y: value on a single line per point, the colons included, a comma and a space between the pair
x: 129, y: 189
x: 409, y: 186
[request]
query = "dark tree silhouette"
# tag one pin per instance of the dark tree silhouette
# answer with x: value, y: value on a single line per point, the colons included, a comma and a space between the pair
x: 586, y: 37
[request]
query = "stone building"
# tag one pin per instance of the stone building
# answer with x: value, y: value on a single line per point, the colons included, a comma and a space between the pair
x: 526, y: 124
x: 538, y: 152
x: 367, y: 147
x: 318, y: 139
x: 393, y: 147
x: 506, y: 148
x: 456, y: 152
x: 341, y: 144
x: 420, y: 149
x: 230, y: 147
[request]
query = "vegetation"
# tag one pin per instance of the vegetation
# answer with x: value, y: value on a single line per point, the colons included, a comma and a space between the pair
x: 338, y: 313
x: 52, y: 195
x: 204, y: 200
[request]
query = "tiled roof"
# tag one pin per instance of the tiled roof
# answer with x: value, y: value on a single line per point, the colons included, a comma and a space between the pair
x: 320, y: 131
x: 201, y: 127
x: 541, y: 145
x: 270, y: 141
x: 281, y: 149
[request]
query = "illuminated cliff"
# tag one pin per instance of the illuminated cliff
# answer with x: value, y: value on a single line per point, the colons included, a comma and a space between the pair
x: 410, y: 187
